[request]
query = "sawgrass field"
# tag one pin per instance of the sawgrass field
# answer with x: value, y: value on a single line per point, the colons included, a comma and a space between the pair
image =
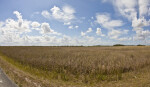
x: 75, y: 66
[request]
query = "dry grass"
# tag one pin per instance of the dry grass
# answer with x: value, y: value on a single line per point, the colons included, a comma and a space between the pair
x: 81, y: 64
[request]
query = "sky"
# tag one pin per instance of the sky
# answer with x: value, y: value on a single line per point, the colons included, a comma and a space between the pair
x: 74, y: 22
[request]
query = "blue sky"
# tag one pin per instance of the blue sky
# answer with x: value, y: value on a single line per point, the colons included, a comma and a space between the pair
x: 74, y: 22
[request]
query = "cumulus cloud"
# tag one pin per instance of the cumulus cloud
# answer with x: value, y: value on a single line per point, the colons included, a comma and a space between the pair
x: 126, y: 8
x: 135, y: 11
x: 46, y: 28
x: 65, y: 14
x: 15, y: 32
x: 11, y: 30
x: 105, y: 21
x: 141, y: 22
x: 73, y: 27
x: 19, y: 25
x: 83, y: 34
x: 115, y: 34
x: 88, y: 31
x: 35, y: 24
x: 99, y: 32
x: 19, y: 16
x: 141, y: 34
x: 130, y: 8
x: 45, y: 14
x: 144, y: 7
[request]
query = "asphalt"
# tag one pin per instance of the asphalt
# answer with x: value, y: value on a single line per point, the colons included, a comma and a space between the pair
x: 5, y: 81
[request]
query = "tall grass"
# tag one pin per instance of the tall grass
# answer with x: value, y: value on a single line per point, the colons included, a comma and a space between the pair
x: 84, y: 64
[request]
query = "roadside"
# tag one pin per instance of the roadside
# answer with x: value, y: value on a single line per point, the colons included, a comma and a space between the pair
x: 5, y: 81
x: 19, y: 77
x: 27, y: 79
x: 139, y: 78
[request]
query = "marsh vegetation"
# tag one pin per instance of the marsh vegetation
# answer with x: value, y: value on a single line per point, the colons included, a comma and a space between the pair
x: 80, y: 64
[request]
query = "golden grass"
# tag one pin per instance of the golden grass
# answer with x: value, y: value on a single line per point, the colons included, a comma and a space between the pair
x: 26, y: 76
x: 79, y: 64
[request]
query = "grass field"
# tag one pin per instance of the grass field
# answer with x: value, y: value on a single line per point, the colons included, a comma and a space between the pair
x: 78, y: 65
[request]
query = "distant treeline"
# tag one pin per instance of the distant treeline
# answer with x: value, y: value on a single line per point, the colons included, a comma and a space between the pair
x: 127, y: 45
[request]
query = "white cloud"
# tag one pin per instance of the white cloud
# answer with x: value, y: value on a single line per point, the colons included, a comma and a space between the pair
x: 66, y: 14
x: 19, y: 25
x: 46, y: 28
x: 70, y: 27
x: 68, y: 10
x: 35, y: 24
x: 67, y: 23
x: 65, y: 39
x: 14, y: 33
x: 19, y: 16
x: 50, y: 38
x: 141, y: 34
x: 141, y: 22
x: 107, y: 22
x: 115, y: 34
x: 45, y: 14
x: 126, y: 8
x: 99, y: 32
x: 76, y: 26
x: 11, y: 33
x: 73, y: 27
x: 90, y: 38
x: 89, y: 30
x: 1, y: 24
x: 129, y: 8
x: 125, y: 39
x: 83, y: 34
x: 144, y: 6
x: 135, y: 11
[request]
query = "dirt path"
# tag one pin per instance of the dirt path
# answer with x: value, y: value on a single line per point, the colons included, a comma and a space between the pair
x: 5, y: 81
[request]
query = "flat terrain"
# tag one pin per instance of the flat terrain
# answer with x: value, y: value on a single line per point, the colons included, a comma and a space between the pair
x: 119, y: 66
